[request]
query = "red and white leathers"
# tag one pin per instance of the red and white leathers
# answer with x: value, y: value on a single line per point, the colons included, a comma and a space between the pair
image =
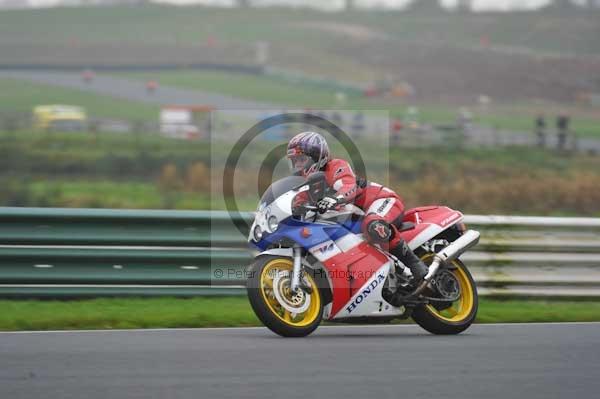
x: 383, y: 210
x: 378, y: 202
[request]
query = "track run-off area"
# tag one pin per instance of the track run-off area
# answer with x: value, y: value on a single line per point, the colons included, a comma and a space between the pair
x: 530, y: 361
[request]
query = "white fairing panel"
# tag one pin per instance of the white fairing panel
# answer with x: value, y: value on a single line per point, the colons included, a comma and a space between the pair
x: 284, y: 252
x: 433, y: 230
x: 424, y: 236
x: 368, y: 300
x: 349, y: 241
x: 325, y: 250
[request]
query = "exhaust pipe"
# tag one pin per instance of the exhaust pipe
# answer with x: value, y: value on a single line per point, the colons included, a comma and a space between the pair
x: 469, y: 239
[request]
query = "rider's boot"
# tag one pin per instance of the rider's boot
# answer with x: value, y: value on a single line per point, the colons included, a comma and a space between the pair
x: 380, y: 230
x: 407, y: 257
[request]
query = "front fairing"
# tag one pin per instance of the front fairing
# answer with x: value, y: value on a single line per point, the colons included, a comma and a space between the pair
x: 307, y: 234
x: 291, y: 229
x: 280, y: 209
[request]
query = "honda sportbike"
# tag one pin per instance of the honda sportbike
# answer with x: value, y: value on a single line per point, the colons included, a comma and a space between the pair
x: 312, y: 267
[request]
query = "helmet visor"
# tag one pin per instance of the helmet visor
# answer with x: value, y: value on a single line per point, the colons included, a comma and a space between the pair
x: 300, y: 163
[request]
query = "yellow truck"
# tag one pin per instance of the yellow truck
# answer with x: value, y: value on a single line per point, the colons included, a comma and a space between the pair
x: 59, y: 118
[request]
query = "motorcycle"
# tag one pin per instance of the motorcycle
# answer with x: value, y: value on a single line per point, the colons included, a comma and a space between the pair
x: 312, y: 267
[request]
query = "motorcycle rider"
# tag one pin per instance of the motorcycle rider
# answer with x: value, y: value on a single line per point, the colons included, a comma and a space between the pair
x: 308, y: 153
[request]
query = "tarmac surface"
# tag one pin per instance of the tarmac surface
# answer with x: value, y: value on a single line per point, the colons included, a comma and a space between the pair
x: 135, y: 90
x: 487, y: 361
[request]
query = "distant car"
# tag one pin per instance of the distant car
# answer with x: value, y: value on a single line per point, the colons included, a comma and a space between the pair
x: 186, y: 121
x: 60, y: 118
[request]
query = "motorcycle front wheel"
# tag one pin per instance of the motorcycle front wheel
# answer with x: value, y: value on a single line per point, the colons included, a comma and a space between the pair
x: 287, y: 313
x: 455, y: 317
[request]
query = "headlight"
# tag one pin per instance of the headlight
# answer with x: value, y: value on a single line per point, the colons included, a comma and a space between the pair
x: 272, y: 223
x: 257, y: 233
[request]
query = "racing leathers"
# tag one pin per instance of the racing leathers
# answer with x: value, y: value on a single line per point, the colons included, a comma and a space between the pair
x: 383, y: 208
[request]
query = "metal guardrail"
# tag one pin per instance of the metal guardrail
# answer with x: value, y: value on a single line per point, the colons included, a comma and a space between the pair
x: 46, y: 252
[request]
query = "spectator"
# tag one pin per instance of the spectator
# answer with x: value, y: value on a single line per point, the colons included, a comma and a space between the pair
x: 562, y: 129
x: 396, y: 128
x: 151, y: 86
x: 464, y: 123
x: 540, y: 130
x: 88, y: 76
x: 465, y: 120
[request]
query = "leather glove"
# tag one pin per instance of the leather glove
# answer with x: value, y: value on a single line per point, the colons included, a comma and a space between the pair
x: 326, y: 204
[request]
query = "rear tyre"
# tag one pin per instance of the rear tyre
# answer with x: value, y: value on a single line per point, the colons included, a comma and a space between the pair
x: 456, y: 317
x: 284, y: 312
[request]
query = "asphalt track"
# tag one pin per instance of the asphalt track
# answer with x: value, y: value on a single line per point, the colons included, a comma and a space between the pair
x: 488, y: 361
x: 134, y: 90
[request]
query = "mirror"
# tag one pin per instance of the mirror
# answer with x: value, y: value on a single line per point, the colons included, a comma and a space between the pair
x: 315, y: 178
x: 317, y: 186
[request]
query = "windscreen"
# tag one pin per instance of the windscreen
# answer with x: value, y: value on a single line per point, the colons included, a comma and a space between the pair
x: 280, y: 187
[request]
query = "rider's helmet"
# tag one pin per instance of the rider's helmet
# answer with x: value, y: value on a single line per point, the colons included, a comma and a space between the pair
x: 307, y: 152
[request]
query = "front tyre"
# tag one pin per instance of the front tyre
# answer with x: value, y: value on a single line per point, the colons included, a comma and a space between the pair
x: 455, y: 317
x: 284, y: 312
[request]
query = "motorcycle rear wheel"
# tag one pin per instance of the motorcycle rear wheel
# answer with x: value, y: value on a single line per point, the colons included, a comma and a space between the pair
x: 460, y: 315
x: 284, y: 312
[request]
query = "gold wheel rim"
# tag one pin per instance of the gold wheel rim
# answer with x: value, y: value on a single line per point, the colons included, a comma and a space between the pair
x: 463, y: 306
x: 267, y: 287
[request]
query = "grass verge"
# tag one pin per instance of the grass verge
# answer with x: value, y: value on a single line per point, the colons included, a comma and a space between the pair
x: 229, y: 312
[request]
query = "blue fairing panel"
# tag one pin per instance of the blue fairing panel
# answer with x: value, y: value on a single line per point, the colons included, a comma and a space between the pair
x: 291, y: 230
x: 353, y: 225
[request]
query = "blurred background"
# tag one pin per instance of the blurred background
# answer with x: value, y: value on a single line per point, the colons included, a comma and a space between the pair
x: 491, y: 106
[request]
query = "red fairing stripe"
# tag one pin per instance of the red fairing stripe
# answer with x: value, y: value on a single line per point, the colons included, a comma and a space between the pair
x: 350, y: 270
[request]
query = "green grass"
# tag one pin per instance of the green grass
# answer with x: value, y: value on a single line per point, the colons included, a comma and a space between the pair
x: 542, y: 32
x: 125, y: 313
x: 102, y: 143
x: 230, y: 312
x: 122, y: 195
x: 520, y: 311
x: 124, y: 171
x: 103, y: 193
x: 21, y: 96
x: 88, y: 193
x: 259, y: 88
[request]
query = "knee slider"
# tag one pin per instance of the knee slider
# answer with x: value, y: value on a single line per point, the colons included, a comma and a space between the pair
x: 379, y: 231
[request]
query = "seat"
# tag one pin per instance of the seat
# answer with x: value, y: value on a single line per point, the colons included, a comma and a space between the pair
x: 405, y: 226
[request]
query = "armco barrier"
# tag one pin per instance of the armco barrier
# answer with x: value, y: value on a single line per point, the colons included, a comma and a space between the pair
x: 94, y: 252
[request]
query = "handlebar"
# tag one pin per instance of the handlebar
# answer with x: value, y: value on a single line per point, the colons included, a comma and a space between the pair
x: 301, y: 210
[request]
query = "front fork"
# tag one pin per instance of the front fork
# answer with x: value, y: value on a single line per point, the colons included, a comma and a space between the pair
x: 297, y: 270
